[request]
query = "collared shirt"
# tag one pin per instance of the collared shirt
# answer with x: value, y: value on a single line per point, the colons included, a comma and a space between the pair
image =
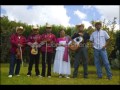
x: 33, y: 38
x: 52, y: 39
x: 15, y: 39
x: 99, y: 38
x: 86, y: 36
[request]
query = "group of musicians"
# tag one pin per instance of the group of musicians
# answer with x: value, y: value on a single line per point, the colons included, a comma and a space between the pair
x: 45, y: 45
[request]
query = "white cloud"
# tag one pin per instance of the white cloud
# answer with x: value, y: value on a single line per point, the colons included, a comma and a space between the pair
x: 86, y: 23
x: 38, y: 14
x: 117, y: 27
x: 80, y: 14
x: 108, y: 12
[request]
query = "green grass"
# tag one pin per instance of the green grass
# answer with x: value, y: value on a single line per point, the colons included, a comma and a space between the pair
x: 33, y: 80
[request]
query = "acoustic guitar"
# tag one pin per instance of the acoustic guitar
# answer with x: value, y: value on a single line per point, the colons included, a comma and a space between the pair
x: 75, y: 43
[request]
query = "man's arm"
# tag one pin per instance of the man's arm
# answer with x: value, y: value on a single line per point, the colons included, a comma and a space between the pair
x: 107, y: 37
x: 13, y: 41
x: 106, y: 44
x: 75, y: 35
x: 91, y: 40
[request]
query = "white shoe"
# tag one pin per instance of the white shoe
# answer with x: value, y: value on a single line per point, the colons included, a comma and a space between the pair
x: 60, y: 76
x: 10, y: 76
x: 49, y: 76
x: 41, y: 76
x: 18, y: 75
x: 67, y: 76
x: 28, y: 75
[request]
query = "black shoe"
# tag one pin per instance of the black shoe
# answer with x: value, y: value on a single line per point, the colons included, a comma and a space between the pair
x: 74, y: 76
x: 38, y: 75
x: 28, y: 74
x: 109, y: 78
x: 99, y: 78
x: 85, y: 76
x: 41, y: 76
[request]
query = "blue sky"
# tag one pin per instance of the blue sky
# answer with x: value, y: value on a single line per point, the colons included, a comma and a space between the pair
x: 76, y: 20
x: 66, y: 15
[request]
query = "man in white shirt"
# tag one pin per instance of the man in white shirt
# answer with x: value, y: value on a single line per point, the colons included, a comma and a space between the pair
x: 99, y: 39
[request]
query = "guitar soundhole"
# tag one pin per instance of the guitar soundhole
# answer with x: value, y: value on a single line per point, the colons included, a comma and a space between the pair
x: 35, y: 49
x: 77, y: 39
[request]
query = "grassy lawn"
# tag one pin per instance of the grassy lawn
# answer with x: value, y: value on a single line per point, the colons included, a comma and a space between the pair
x: 33, y: 80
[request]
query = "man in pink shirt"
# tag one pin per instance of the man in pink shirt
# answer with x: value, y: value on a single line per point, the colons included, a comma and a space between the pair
x: 18, y: 42
x: 48, y: 38
x: 33, y: 42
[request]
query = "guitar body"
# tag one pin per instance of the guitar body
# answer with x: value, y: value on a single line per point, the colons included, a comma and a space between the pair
x: 34, y: 51
x: 74, y: 45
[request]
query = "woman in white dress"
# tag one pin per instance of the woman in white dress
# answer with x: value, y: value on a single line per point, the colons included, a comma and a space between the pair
x: 62, y: 59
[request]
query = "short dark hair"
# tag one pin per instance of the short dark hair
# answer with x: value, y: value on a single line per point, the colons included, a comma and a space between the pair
x: 62, y: 29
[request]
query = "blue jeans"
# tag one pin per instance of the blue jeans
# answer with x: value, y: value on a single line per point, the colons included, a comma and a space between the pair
x: 14, y: 61
x: 104, y: 57
x: 82, y: 53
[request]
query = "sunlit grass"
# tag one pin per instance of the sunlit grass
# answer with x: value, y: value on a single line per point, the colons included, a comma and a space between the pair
x: 33, y: 80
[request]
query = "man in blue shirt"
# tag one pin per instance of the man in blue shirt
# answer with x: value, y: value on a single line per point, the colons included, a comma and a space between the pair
x: 99, y: 39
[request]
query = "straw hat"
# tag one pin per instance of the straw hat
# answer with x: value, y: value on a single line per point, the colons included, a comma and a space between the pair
x: 79, y: 25
x: 48, y: 26
x: 20, y: 27
x: 34, y: 28
x: 98, y: 23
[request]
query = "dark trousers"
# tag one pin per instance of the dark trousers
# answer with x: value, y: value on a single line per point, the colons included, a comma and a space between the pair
x: 48, y: 61
x: 81, y: 54
x: 13, y: 62
x: 34, y: 59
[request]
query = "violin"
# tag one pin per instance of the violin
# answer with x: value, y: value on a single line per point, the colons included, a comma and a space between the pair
x: 18, y: 53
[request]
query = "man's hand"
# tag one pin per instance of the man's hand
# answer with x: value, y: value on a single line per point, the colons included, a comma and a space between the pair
x: 35, y: 43
x: 104, y: 47
x: 45, y: 41
x: 81, y: 34
x: 106, y: 44
x: 29, y: 43
x: 91, y: 45
x: 73, y: 41
x: 62, y: 45
x: 20, y: 45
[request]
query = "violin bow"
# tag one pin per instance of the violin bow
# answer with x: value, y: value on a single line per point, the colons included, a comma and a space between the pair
x: 21, y: 56
x: 46, y: 54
